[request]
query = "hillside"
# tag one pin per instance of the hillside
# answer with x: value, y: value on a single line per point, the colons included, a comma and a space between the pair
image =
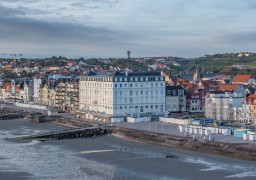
x: 223, y: 64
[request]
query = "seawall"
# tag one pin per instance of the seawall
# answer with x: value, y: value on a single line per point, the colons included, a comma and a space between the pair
x: 238, y: 151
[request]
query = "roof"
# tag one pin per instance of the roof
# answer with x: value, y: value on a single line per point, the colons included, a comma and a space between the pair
x: 189, y: 86
x: 241, y: 78
x: 228, y: 87
x: 220, y: 76
x: 6, y: 85
x: 117, y: 73
x: 209, y: 83
x: 252, y: 96
x: 173, y: 87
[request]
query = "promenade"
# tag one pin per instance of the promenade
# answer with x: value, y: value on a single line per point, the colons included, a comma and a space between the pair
x: 153, y: 126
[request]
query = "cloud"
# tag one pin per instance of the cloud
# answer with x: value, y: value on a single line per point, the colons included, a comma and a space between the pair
x: 109, y: 27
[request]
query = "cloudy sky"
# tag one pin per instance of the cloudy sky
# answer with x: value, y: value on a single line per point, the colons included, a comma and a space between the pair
x: 107, y: 28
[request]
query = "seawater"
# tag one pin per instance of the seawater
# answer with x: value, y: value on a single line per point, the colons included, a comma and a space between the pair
x: 56, y: 161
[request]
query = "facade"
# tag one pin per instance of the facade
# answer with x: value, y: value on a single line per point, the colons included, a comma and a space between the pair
x: 37, y: 85
x: 67, y: 94
x: 175, y: 99
x: 44, y: 94
x: 122, y: 94
x: 28, y: 91
x: 6, y: 91
x: 196, y: 100
x: 219, y: 105
x: 247, y: 113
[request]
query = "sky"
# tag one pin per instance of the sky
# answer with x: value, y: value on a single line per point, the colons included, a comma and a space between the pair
x: 108, y: 28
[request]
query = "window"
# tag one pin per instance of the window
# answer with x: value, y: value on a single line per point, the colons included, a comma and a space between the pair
x: 120, y: 85
x: 141, y: 92
x: 116, y: 85
x: 130, y: 85
x: 156, y: 84
x: 131, y: 92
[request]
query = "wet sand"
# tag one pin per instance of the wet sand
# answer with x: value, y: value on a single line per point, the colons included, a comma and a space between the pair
x: 109, y: 157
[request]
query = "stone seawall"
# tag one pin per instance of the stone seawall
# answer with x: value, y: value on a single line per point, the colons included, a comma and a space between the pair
x: 239, y: 151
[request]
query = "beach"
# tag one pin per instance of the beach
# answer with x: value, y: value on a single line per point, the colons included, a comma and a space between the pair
x: 106, y: 157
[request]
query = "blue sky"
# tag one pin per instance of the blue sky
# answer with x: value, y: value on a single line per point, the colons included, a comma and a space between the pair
x: 107, y: 28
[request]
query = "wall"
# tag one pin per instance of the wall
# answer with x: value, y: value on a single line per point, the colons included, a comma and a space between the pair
x: 176, y: 121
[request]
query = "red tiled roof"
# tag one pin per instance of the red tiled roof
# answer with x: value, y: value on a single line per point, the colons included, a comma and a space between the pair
x: 7, y: 85
x: 241, y: 78
x: 189, y: 86
x: 228, y: 87
x: 252, y: 96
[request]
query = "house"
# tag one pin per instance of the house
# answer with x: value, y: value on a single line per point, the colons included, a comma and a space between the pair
x: 247, y: 114
x: 6, y: 90
x: 220, y: 76
x: 208, y: 84
x: 175, y: 99
x: 243, y: 79
x: 196, y: 100
x: 71, y: 63
x: 44, y: 94
x: 233, y: 88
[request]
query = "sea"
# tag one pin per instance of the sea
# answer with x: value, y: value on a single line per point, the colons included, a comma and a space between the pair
x: 106, y: 157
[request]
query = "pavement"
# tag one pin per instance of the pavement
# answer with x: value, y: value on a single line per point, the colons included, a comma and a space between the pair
x: 173, y: 129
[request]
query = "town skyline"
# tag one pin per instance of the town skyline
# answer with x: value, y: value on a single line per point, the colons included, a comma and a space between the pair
x: 108, y: 28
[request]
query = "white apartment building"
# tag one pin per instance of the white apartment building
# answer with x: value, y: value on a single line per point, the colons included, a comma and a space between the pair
x: 219, y: 105
x: 122, y: 94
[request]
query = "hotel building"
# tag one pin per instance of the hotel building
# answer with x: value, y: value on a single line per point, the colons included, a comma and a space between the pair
x: 122, y: 94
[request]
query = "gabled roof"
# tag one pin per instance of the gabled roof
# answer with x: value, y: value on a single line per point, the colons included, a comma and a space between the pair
x: 209, y: 83
x: 189, y: 86
x: 241, y: 78
x: 6, y: 85
x: 228, y: 87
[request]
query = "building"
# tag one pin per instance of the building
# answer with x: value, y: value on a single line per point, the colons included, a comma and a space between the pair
x: 37, y: 86
x: 175, y: 99
x: 233, y: 88
x: 28, y: 91
x: 122, y: 94
x: 67, y: 94
x: 196, y: 100
x: 219, y: 105
x: 248, y: 110
x: 243, y: 80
